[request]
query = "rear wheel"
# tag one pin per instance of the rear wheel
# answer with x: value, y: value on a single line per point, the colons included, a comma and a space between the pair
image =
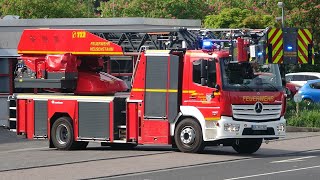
x: 188, y: 136
x: 247, y: 146
x: 62, y: 134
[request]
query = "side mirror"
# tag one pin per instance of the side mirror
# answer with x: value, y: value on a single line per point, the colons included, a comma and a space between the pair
x: 284, y: 82
x: 204, y: 69
x: 203, y: 81
x: 217, y: 87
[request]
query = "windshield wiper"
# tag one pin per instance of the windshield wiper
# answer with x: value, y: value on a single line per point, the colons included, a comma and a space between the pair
x: 271, y: 85
x: 246, y: 87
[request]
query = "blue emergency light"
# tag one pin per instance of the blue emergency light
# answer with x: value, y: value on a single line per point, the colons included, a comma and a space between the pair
x: 289, y: 48
x: 207, y: 44
x: 260, y: 53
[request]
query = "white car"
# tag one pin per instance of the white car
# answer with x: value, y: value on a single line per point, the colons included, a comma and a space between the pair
x: 301, y: 78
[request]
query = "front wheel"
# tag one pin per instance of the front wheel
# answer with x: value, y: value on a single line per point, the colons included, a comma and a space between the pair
x: 308, y: 101
x: 247, y: 146
x: 188, y: 136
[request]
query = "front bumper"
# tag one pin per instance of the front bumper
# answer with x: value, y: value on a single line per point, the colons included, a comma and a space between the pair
x: 242, y: 129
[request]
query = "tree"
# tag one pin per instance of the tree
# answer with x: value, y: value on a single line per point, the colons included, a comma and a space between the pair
x: 238, y: 18
x: 47, y: 8
x: 184, y: 9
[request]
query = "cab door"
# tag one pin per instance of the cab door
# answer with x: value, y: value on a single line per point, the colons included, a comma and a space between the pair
x: 203, y: 90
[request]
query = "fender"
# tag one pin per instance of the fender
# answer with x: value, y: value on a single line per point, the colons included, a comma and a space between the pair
x: 307, y: 96
x: 189, y: 111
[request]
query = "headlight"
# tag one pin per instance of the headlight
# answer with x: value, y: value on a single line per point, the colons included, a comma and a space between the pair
x: 281, y: 127
x: 232, y: 127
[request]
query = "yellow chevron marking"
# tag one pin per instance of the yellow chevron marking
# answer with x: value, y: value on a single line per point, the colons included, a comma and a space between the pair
x: 308, y: 33
x: 303, y: 37
x: 276, y: 37
x: 303, y: 48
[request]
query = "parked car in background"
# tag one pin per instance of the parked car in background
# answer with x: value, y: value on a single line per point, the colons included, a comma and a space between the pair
x: 301, y: 78
x: 310, y: 92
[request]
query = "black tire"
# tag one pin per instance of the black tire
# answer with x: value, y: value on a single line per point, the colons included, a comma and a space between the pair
x: 247, y: 146
x: 188, y: 136
x: 308, y: 101
x: 62, y: 134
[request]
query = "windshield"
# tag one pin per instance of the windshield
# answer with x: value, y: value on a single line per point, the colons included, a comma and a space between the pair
x: 250, y: 76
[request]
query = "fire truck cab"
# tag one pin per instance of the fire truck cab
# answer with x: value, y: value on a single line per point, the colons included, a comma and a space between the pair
x: 189, y: 98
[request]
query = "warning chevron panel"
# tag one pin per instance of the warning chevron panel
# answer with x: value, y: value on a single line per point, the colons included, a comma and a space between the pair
x: 275, y: 38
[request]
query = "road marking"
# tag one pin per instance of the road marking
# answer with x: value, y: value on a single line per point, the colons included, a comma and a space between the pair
x: 293, y: 160
x: 311, y: 151
x: 271, y: 173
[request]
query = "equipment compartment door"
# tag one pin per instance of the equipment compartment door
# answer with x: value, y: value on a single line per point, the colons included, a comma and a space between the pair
x: 40, y: 118
x: 94, y: 119
x: 161, y: 97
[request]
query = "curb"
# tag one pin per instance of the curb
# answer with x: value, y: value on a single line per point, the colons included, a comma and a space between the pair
x: 301, y: 129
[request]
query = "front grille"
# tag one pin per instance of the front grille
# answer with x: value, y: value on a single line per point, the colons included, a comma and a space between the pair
x: 248, y: 112
x: 249, y: 131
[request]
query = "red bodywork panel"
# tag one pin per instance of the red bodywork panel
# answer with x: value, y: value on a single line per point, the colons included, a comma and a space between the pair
x: 90, y: 83
x: 21, y: 116
x: 132, y: 121
x: 25, y: 117
x: 77, y: 42
x: 61, y: 63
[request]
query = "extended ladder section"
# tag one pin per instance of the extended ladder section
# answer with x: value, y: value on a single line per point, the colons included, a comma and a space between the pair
x: 133, y: 40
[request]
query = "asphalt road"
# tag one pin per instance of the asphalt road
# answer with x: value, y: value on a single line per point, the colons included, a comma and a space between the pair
x: 297, y: 157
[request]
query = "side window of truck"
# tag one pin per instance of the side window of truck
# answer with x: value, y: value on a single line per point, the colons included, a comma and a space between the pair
x: 212, y: 79
x: 196, y: 71
x: 206, y: 78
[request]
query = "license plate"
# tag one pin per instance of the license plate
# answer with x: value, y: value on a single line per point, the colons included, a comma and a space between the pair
x: 259, y: 127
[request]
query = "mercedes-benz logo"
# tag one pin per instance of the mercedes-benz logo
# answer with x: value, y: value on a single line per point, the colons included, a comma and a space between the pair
x: 258, y: 107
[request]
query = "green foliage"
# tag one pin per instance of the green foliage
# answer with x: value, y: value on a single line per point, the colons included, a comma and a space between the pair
x: 182, y: 9
x: 307, y: 116
x: 228, y: 18
x: 47, y: 8
x: 238, y: 18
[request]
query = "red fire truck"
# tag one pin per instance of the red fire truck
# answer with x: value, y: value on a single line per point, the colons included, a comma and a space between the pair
x: 186, y: 91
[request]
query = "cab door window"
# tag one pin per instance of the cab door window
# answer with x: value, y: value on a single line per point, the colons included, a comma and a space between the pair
x: 196, y: 73
x: 204, y: 72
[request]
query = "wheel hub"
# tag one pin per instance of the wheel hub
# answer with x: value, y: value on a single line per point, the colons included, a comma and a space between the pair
x: 62, y: 134
x: 187, y: 135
